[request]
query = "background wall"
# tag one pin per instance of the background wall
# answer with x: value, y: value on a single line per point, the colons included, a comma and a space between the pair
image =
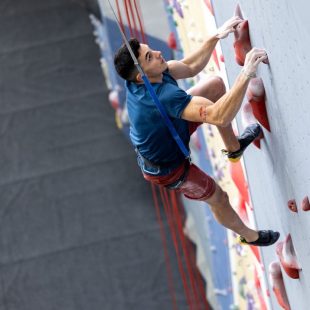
x: 78, y: 225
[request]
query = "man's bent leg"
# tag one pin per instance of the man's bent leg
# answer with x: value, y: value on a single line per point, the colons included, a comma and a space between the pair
x: 213, y: 89
x: 200, y: 186
x: 197, y: 185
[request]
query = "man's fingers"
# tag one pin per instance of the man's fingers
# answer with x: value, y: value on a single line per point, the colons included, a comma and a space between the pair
x: 259, y: 56
x: 232, y: 29
x: 234, y: 21
x: 260, y: 59
x: 253, y: 58
x: 254, y: 53
x: 228, y: 27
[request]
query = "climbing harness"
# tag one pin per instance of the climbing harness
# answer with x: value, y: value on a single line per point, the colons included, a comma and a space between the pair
x: 149, y: 87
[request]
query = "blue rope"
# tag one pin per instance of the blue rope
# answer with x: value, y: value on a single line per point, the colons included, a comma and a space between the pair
x: 164, y: 115
x: 148, y: 85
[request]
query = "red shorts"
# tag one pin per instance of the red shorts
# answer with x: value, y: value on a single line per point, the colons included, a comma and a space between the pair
x: 197, y: 185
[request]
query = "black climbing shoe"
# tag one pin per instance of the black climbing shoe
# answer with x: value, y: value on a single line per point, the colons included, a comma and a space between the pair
x: 266, y: 237
x: 249, y: 135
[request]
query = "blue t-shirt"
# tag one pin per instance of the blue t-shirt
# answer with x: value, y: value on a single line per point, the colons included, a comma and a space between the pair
x: 148, y: 130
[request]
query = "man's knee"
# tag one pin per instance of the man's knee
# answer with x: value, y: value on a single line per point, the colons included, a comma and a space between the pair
x: 218, y: 86
x: 219, y: 198
x: 213, y: 88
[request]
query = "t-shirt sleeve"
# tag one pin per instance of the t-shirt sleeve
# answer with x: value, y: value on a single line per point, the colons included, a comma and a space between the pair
x: 174, y: 100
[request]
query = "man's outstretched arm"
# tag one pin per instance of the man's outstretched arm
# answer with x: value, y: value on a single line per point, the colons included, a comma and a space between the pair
x: 223, y: 111
x: 195, y: 62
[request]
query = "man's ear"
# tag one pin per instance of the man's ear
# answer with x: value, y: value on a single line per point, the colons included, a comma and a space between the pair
x: 139, y: 78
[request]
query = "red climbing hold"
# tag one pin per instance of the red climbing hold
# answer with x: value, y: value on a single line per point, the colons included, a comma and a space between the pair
x: 242, y: 42
x: 256, y: 142
x: 277, y: 284
x: 113, y: 98
x: 172, y: 42
x: 286, y: 253
x: 256, y: 90
x: 291, y: 204
x: 305, y: 205
x: 260, y: 113
x: 256, y: 95
x: 247, y: 115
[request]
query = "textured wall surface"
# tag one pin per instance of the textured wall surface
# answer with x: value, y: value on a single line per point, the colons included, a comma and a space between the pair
x: 280, y: 170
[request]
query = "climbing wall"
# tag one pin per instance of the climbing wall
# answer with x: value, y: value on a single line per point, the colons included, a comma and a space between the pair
x: 279, y: 171
x: 274, y: 173
x: 245, y: 284
x: 273, y: 178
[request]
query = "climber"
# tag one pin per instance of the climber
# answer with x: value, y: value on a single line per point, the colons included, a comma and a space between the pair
x: 159, y: 156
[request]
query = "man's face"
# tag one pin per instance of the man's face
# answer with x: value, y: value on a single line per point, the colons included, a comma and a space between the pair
x: 152, y: 62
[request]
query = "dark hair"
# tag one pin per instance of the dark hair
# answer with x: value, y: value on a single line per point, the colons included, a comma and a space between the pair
x: 123, y: 62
